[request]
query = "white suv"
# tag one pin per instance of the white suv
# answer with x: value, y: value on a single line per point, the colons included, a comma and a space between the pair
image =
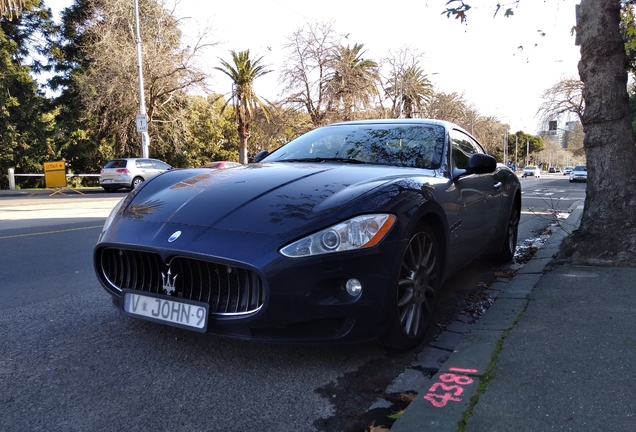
x: 129, y: 172
x: 531, y: 171
x: 579, y: 173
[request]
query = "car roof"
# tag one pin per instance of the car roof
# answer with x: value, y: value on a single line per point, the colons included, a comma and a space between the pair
x: 446, y: 124
x: 148, y: 158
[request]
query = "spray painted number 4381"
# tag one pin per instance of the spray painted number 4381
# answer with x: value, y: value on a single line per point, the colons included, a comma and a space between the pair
x: 449, y: 388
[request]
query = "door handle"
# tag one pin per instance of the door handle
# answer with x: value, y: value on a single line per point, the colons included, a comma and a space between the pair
x: 497, y: 185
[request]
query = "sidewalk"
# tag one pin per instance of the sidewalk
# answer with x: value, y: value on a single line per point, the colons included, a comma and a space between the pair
x: 555, y: 352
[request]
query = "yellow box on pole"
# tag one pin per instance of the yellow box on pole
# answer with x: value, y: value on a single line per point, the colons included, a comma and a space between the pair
x: 55, y: 174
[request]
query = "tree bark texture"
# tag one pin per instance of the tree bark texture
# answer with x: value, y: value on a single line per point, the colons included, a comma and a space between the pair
x: 607, y: 233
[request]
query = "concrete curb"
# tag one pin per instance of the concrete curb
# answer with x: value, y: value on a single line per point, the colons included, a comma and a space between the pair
x: 463, y: 371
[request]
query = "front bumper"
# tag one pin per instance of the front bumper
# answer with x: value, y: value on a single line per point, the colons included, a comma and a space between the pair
x: 303, y: 300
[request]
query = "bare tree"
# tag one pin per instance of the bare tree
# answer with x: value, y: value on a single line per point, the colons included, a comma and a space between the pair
x: 446, y: 106
x: 573, y: 139
x: 307, y: 69
x: 565, y: 98
x: 109, y: 86
x: 489, y: 131
x: 405, y: 85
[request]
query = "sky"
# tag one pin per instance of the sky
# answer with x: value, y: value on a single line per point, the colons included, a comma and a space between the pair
x: 501, y: 65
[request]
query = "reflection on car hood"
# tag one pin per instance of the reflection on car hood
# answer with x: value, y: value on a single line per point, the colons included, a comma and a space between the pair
x: 266, y: 198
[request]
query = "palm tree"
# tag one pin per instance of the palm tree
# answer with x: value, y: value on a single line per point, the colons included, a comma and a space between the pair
x: 411, y: 89
x: 243, y: 72
x: 10, y: 8
x: 354, y: 79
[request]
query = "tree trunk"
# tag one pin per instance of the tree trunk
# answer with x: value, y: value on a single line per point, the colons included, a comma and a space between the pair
x: 243, y: 135
x: 607, y: 234
x: 243, y: 132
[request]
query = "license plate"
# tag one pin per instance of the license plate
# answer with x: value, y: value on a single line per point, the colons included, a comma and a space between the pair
x: 107, y: 181
x: 182, y: 313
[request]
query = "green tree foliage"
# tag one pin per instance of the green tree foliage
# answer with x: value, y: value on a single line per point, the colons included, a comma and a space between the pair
x: 99, y: 95
x: 353, y: 83
x: 26, y: 120
x: 525, y: 147
x: 284, y: 125
x: 243, y: 71
x: 211, y: 133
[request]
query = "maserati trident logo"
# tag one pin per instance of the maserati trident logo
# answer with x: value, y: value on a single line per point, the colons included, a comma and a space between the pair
x: 168, y: 282
x: 174, y: 236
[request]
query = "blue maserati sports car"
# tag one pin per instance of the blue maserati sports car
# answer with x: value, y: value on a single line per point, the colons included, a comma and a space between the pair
x: 345, y: 233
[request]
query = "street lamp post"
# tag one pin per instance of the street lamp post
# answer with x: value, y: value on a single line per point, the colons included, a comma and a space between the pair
x: 142, y: 119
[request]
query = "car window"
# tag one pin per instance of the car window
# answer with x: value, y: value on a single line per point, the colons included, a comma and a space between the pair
x: 463, y: 147
x: 161, y: 165
x: 117, y: 163
x: 407, y: 145
x: 144, y: 164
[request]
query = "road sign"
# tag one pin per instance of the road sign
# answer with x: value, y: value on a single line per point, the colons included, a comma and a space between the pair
x: 55, y: 174
x: 142, y: 123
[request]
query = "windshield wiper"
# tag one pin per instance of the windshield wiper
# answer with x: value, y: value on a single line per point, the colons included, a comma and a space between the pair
x: 321, y: 159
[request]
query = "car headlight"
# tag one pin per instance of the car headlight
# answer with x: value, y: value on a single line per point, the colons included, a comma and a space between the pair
x: 356, y: 233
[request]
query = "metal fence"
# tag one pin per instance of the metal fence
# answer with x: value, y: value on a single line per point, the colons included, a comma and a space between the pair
x: 13, y: 175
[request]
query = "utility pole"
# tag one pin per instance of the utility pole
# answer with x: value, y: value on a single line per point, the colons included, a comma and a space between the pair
x: 516, y: 150
x: 505, y: 148
x: 527, y: 152
x: 142, y: 118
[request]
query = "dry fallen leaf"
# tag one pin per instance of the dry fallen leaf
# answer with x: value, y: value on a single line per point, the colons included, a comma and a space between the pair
x: 373, y: 428
x: 407, y: 397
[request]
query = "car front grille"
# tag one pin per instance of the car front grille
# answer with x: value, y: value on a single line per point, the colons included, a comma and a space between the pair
x: 227, y: 289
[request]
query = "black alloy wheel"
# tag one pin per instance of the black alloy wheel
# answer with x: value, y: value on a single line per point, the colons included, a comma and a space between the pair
x: 412, y: 310
x: 509, y: 247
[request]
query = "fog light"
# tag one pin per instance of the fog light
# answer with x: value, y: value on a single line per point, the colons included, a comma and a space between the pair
x: 353, y: 287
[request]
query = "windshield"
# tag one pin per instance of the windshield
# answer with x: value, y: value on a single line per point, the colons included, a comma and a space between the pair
x: 580, y: 168
x: 406, y: 145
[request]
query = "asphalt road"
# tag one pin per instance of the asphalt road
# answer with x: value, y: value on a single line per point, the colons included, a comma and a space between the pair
x: 71, y: 362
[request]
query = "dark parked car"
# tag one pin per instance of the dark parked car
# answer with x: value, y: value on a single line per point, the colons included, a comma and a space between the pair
x: 346, y: 233
x: 129, y: 172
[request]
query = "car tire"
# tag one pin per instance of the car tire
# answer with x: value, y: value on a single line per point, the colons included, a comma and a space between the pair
x: 137, y: 181
x: 412, y: 301
x: 509, y: 246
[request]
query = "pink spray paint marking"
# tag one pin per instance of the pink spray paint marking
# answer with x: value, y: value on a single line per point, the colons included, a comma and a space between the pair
x: 441, y: 392
x: 463, y: 370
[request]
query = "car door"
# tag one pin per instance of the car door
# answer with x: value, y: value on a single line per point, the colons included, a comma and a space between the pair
x: 479, y: 198
x: 146, y: 168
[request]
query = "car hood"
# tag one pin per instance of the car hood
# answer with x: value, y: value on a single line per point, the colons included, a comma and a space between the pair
x: 259, y: 198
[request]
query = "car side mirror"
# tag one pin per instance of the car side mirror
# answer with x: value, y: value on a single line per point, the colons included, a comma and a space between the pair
x: 260, y: 156
x: 480, y: 163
